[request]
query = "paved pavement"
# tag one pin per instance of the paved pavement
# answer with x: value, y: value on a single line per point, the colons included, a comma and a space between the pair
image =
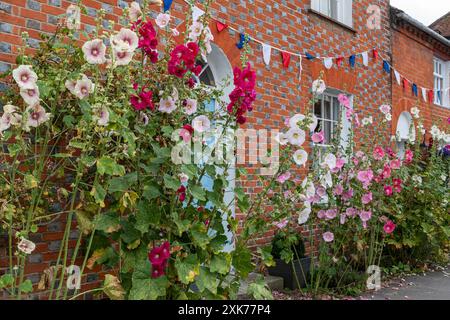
x: 434, y: 285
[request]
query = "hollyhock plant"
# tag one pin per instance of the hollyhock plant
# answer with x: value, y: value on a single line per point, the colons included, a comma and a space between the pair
x: 125, y: 41
x: 9, y: 118
x: 142, y: 101
x: 244, y: 94
x: 300, y: 157
x: 282, y: 178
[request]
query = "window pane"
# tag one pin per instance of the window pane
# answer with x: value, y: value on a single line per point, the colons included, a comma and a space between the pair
x: 318, y: 109
x: 327, y: 109
x: 327, y: 131
x: 335, y: 109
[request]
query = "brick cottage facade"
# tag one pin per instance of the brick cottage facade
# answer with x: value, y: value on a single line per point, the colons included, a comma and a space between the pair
x: 320, y: 28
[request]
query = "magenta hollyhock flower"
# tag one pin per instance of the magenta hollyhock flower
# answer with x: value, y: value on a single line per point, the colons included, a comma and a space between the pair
x: 282, y: 224
x: 378, y: 153
x: 142, y: 101
x: 386, y: 174
x: 388, y: 190
x: 347, y: 195
x: 389, y: 227
x: 321, y: 214
x: 328, y: 236
x: 244, y: 94
x: 182, y: 193
x: 158, y: 271
x: 321, y: 191
x: 448, y: 120
x: 318, y: 137
x: 408, y: 156
x: 183, y: 59
x: 159, y: 255
x: 395, y: 164
x: 366, y: 198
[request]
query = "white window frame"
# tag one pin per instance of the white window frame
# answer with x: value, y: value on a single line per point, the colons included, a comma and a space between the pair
x: 441, y: 82
x: 339, y: 10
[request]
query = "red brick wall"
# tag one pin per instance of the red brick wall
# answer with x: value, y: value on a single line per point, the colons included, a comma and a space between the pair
x: 281, y: 94
x: 413, y: 57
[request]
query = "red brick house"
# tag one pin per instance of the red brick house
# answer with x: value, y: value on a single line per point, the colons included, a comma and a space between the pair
x: 318, y: 29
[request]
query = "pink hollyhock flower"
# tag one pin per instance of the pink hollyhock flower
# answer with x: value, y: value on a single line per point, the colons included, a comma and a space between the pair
x: 389, y: 227
x: 126, y: 40
x: 321, y: 191
x: 378, y: 153
x: 342, y: 218
x: 395, y: 164
x: 386, y: 174
x: 344, y: 100
x: 282, y: 224
x: 365, y: 215
x: 26, y: 246
x: 183, y: 177
x: 365, y: 176
x: 186, y: 133
x: 385, y: 109
x: 282, y: 178
x: 25, y: 77
x: 340, y: 162
x: 201, y: 123
x: 448, y: 120
x: 122, y: 58
x: 351, y: 212
x: 366, y: 198
x: 360, y: 154
x: 287, y: 194
x: 318, y: 137
x: 347, y: 195
x: 321, y: 214
x: 338, y: 190
x: 328, y: 236
x: 388, y: 190
x: 167, y: 105
x: 190, y: 106
x: 36, y: 116
x: 355, y: 161
x: 331, y: 214
x: 408, y: 156
x: 94, y: 51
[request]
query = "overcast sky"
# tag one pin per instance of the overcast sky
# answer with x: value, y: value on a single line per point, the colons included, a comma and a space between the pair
x: 425, y: 11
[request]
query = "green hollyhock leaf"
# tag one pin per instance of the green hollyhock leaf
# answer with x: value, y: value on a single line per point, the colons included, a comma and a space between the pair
x: 206, y: 280
x: 171, y: 183
x: 258, y: 290
x: 99, y: 194
x: 242, y: 261
x: 198, y: 192
x: 220, y: 263
x: 6, y: 280
x: 144, y: 287
x: 187, y: 269
x: 151, y: 191
x: 26, y: 286
x: 107, y: 222
x: 146, y: 215
x: 107, y: 165
x: 122, y: 184
x: 199, y: 235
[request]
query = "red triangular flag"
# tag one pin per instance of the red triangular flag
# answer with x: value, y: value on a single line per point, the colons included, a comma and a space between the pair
x: 430, y: 96
x: 339, y: 61
x: 405, y: 83
x: 286, y: 58
x: 221, y: 26
x: 375, y: 54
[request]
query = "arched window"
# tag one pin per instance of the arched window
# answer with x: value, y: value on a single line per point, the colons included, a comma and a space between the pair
x: 405, y: 132
x: 216, y: 71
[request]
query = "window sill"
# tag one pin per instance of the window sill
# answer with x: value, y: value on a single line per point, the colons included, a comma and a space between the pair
x: 324, y: 16
x: 441, y: 106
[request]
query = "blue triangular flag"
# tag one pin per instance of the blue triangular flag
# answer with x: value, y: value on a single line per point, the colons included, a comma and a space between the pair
x: 242, y: 41
x: 309, y: 56
x: 386, y: 66
x: 415, y: 90
x: 352, y: 60
x: 167, y: 5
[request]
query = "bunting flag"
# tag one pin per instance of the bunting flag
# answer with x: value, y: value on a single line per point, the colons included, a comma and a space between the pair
x: 300, y: 68
x: 309, y: 56
x: 352, y: 60
x: 196, y: 13
x: 397, y: 76
x: 243, y: 40
x: 375, y: 54
x: 415, y: 90
x: 328, y: 63
x: 167, y: 5
x: 386, y: 66
x: 339, y: 61
x: 267, y: 52
x: 424, y: 94
x: 430, y: 96
x: 286, y: 57
x: 365, y: 57
x: 405, y: 83
x: 221, y: 26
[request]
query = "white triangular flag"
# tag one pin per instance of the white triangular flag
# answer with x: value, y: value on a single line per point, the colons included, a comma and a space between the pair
x: 397, y: 76
x: 267, y: 51
x: 424, y: 94
x: 196, y: 13
x: 365, y: 56
x: 328, y: 62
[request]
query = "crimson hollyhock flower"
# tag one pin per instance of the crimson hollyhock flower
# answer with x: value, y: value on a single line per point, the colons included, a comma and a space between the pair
x: 147, y: 40
x: 158, y: 271
x: 388, y: 190
x: 389, y: 227
x: 182, y: 60
x: 182, y: 193
x: 158, y: 258
x: 244, y: 94
x: 142, y: 101
x: 408, y: 156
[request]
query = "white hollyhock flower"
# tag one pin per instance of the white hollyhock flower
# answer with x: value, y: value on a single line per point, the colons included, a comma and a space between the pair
x: 388, y: 117
x: 313, y: 121
x: 135, y: 12
x: 162, y: 20
x: 26, y: 246
x: 415, y: 112
x: 101, y: 115
x: 125, y: 41
x: 25, y: 77
x: 122, y: 58
x: 417, y: 180
x: 94, y: 51
x: 300, y: 157
x: 36, y: 116
x: 30, y: 96
x: 296, y: 136
x: 9, y: 118
x: 83, y: 87
x: 435, y: 131
x: 329, y: 161
x: 190, y: 106
x: 367, y: 121
x: 201, y: 123
x: 293, y: 122
x: 73, y: 13
x: 70, y: 85
x: 318, y: 86
x: 326, y: 180
x: 282, y: 138
x: 195, y: 30
x: 167, y: 105
x: 304, y: 214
